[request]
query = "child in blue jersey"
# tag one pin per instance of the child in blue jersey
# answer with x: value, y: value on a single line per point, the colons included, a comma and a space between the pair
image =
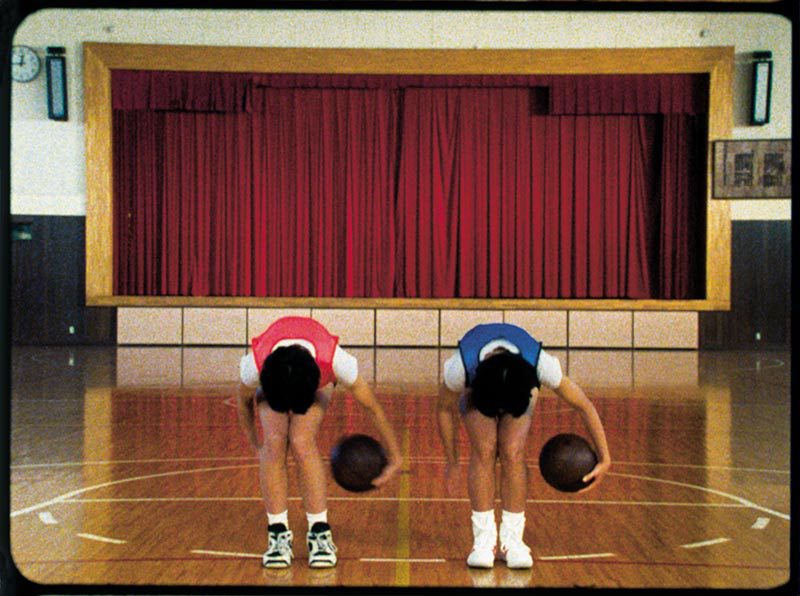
x: 492, y: 382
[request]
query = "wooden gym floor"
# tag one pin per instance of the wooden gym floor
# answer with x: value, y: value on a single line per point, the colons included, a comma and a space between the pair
x: 119, y: 478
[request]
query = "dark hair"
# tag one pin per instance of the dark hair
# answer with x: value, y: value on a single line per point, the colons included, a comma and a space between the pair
x: 289, y: 379
x: 503, y: 384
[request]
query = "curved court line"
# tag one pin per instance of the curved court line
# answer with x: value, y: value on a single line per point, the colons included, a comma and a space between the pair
x: 758, y: 367
x: 713, y: 491
x: 416, y: 459
x: 113, y: 462
x: 410, y: 499
x: 80, y: 491
x: 69, y: 495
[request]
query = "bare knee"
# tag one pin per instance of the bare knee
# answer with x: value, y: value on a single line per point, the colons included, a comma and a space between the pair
x: 512, y: 452
x: 273, y: 449
x: 304, y: 447
x: 484, y: 453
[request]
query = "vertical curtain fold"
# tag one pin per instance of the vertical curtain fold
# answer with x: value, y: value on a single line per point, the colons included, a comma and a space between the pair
x: 227, y: 188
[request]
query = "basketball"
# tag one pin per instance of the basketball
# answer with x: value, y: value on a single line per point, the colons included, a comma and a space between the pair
x: 356, y: 460
x: 564, y: 460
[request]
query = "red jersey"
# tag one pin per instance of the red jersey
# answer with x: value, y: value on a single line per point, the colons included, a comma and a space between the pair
x: 299, y: 328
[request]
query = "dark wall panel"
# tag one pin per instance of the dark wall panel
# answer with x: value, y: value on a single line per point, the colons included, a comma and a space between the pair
x: 761, y: 280
x: 47, y: 285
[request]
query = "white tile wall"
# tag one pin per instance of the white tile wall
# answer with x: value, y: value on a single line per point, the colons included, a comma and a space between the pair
x: 149, y: 366
x: 366, y: 327
x: 600, y: 329
x: 149, y: 326
x: 404, y: 327
x: 666, y: 330
x: 215, y: 326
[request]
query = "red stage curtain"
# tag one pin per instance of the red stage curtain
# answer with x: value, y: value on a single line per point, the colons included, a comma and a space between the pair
x: 323, y: 192
x: 411, y: 186
x: 495, y: 203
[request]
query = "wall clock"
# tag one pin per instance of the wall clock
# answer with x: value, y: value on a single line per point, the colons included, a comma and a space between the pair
x: 25, y: 64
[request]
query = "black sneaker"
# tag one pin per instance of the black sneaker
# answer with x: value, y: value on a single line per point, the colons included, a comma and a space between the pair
x: 279, y: 549
x: 321, y: 549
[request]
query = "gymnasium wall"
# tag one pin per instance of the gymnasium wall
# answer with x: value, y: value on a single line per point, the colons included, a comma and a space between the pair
x: 48, y: 158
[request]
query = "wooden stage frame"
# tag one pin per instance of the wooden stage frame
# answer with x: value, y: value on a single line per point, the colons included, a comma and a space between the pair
x: 101, y: 58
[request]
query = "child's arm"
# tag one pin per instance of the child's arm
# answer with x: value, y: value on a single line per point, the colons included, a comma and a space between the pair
x: 447, y: 419
x: 364, y: 395
x: 245, y: 400
x: 447, y: 422
x: 575, y: 397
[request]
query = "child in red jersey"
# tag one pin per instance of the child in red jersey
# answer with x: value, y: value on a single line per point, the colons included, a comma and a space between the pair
x: 288, y: 379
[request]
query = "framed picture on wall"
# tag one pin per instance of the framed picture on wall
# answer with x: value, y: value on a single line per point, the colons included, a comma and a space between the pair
x: 754, y: 169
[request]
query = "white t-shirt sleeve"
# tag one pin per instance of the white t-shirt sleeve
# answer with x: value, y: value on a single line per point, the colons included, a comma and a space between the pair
x: 455, y: 377
x: 549, y: 370
x: 345, y: 367
x: 248, y: 371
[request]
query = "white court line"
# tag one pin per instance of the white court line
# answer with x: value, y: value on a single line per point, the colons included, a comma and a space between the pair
x: 115, y: 462
x: 775, y: 363
x: 707, y: 490
x: 431, y: 459
x: 221, y: 553
x: 80, y: 491
x: 414, y: 499
x: 760, y: 523
x: 705, y: 543
x: 102, y: 538
x: 75, y: 493
x: 47, y: 518
x: 565, y: 557
x: 367, y: 560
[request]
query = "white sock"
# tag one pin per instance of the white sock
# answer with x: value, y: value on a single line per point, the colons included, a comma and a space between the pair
x: 484, y: 529
x: 278, y: 518
x: 512, y: 524
x: 483, y: 519
x: 313, y: 518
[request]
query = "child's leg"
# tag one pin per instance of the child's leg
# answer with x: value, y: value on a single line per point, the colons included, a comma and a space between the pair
x: 482, y: 432
x: 272, y: 459
x: 303, y: 430
x: 512, y: 442
x: 274, y: 487
x: 513, y: 435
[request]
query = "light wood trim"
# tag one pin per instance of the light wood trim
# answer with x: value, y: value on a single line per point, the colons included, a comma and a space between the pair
x: 99, y: 182
x: 718, y: 223
x: 412, y: 303
x: 101, y: 58
x: 404, y: 61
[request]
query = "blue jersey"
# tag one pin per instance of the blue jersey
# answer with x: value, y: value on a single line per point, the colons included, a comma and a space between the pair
x: 475, y: 339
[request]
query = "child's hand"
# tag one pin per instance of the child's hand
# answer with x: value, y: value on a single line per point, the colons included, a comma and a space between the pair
x: 596, y: 475
x: 389, y: 471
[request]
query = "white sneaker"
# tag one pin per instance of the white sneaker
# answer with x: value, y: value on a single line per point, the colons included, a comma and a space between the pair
x: 484, y: 547
x: 482, y: 558
x: 279, y: 550
x: 515, y: 553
